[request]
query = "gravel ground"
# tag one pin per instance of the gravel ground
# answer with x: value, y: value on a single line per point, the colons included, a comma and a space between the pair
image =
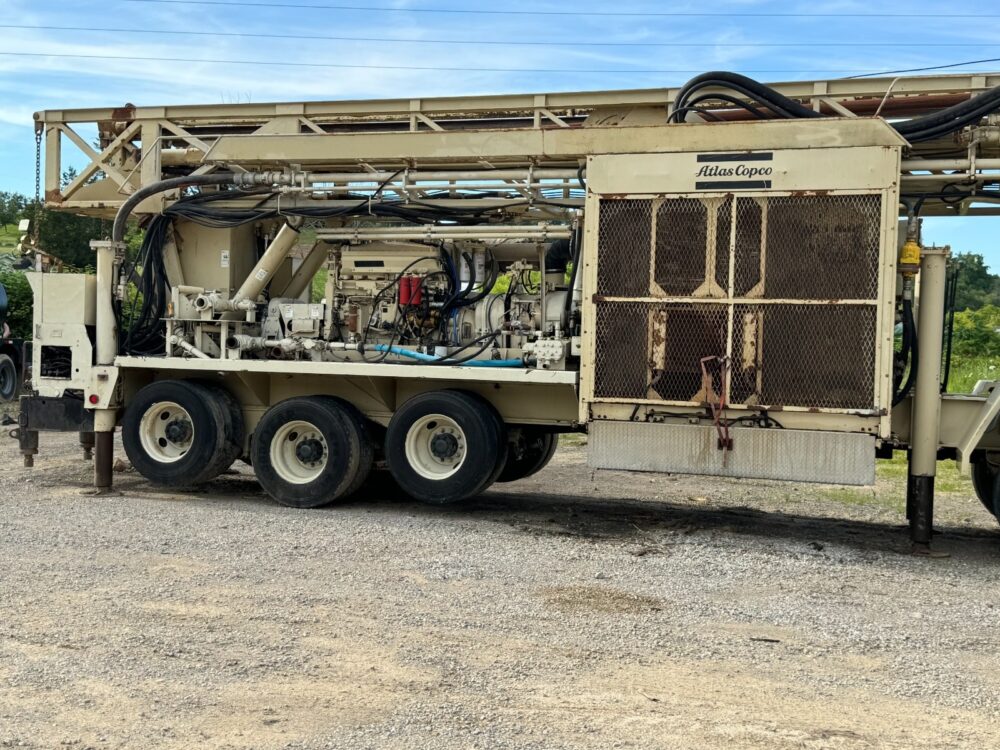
x: 575, y: 609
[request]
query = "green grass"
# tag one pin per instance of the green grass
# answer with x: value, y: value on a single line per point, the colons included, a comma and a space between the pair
x: 890, y: 490
x: 965, y: 371
x: 9, y: 237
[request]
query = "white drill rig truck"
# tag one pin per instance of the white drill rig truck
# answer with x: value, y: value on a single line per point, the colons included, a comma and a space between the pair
x: 725, y: 279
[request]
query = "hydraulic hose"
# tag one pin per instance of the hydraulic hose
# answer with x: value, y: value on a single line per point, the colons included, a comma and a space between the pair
x: 916, y: 130
x: 444, y: 360
x: 121, y: 218
x: 910, y: 342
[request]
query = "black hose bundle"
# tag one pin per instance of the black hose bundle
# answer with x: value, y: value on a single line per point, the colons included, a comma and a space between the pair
x: 916, y: 130
x: 147, y: 288
x: 201, y: 209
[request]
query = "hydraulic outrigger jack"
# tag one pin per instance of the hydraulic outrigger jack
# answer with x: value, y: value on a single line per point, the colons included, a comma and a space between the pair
x: 926, y: 399
x: 104, y: 443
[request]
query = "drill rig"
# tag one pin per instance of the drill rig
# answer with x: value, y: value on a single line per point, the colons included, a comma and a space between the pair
x: 706, y: 279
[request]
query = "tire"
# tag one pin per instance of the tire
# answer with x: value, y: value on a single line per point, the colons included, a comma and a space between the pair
x: 361, y: 435
x: 306, y: 452
x: 501, y: 430
x: 986, y: 481
x: 232, y: 414
x: 443, y: 447
x: 175, y: 433
x: 529, y: 454
x: 10, y: 379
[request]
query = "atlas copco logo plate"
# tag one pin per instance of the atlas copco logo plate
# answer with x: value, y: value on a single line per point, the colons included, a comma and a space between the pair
x: 734, y: 171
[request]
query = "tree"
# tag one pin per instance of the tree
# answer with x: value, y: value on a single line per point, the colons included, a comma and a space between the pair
x: 976, y: 285
x: 11, y: 207
x: 67, y: 236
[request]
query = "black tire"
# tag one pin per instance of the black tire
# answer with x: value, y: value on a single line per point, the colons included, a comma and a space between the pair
x: 360, y: 433
x: 529, y: 454
x: 475, y: 451
x: 207, y: 445
x: 10, y: 379
x: 986, y: 481
x: 501, y: 431
x: 341, y: 459
x: 232, y: 414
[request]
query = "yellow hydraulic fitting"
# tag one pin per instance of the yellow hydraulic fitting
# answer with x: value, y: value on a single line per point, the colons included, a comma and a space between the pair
x: 909, y: 254
x: 909, y: 257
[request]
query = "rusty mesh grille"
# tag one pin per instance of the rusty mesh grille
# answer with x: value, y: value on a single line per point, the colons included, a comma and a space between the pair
x: 674, y: 337
x: 782, y: 252
x: 823, y: 247
x: 803, y: 355
x: 679, y: 257
x: 624, y: 237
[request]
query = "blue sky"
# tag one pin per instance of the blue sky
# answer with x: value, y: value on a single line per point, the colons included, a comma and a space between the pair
x: 731, y: 39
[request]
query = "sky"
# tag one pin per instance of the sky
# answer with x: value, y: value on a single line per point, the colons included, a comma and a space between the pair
x: 534, y: 45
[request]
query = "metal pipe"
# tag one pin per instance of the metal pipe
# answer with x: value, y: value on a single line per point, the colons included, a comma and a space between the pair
x: 926, y: 416
x: 931, y: 165
x: 542, y: 232
x: 189, y: 348
x: 495, y: 186
x: 441, y: 176
x: 106, y: 331
x: 273, y: 257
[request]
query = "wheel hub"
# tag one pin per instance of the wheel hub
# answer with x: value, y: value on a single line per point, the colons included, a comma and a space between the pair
x: 444, y: 445
x: 309, y: 451
x: 178, y: 431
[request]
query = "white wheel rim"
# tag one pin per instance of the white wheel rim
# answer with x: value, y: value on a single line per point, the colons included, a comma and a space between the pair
x: 435, y: 446
x: 298, y: 452
x: 166, y: 432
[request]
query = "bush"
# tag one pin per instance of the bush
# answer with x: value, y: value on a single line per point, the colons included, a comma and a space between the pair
x: 19, y: 301
x: 977, y: 332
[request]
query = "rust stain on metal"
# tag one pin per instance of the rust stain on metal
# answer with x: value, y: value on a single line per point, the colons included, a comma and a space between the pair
x: 124, y: 113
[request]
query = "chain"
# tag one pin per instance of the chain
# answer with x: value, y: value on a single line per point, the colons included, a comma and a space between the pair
x: 38, y: 186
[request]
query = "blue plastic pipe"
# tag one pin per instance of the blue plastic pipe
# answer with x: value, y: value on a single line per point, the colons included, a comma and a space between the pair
x: 444, y: 360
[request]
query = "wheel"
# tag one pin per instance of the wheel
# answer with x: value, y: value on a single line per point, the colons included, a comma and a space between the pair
x: 444, y: 446
x: 10, y: 381
x: 307, y: 452
x: 501, y: 430
x: 175, y: 433
x: 361, y: 433
x: 529, y: 454
x: 986, y: 481
x: 232, y: 414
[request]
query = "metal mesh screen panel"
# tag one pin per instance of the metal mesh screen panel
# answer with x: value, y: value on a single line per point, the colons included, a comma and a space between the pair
x: 782, y: 252
x: 674, y: 338
x: 803, y: 355
x: 823, y: 247
x: 681, y: 239
x: 624, y: 233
